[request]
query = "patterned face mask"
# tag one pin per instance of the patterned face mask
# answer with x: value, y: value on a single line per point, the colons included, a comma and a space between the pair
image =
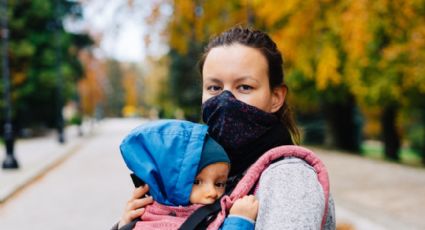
x: 234, y: 123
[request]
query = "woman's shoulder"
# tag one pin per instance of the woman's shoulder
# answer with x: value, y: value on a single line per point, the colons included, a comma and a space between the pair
x: 290, y: 195
x: 291, y: 157
x: 291, y: 174
x: 288, y: 164
x: 292, y: 181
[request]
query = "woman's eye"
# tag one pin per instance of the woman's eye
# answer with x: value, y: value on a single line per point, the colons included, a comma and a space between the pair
x: 213, y: 88
x: 220, y: 185
x: 197, y: 182
x: 245, y: 88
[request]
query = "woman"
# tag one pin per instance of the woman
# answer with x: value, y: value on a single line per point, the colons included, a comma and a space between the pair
x: 243, y: 96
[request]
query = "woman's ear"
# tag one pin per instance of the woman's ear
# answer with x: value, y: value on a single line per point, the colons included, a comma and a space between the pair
x: 278, y: 97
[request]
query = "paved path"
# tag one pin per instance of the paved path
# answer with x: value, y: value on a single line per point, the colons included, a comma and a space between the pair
x: 88, y: 186
x: 37, y: 156
x: 373, y: 194
x: 87, y: 191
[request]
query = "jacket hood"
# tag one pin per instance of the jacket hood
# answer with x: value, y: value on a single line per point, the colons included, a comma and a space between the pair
x: 165, y: 154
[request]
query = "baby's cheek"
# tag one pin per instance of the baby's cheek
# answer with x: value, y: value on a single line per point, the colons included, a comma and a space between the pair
x: 221, y: 192
x: 195, y: 195
x: 192, y: 196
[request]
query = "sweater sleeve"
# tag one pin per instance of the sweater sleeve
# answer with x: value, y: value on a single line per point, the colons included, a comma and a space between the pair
x: 290, y: 196
x: 233, y: 222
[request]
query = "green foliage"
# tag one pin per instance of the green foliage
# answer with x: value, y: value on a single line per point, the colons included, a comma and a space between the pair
x: 414, y: 128
x: 304, y: 89
x: 115, y: 95
x: 76, y: 120
x: 408, y: 156
x: 43, y: 60
x: 184, y: 77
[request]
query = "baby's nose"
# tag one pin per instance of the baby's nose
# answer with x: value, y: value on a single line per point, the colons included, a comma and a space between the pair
x: 211, y: 191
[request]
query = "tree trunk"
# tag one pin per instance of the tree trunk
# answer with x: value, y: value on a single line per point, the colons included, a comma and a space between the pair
x: 390, y: 135
x: 343, y: 125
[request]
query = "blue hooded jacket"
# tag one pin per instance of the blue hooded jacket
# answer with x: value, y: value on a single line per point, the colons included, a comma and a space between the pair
x: 165, y: 154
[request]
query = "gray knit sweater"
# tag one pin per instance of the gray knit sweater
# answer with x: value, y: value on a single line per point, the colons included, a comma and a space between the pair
x: 291, y: 197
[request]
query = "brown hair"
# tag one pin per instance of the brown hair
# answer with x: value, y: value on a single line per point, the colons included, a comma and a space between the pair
x: 261, y: 41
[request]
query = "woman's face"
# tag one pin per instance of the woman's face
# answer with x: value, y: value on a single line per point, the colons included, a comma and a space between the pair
x: 243, y: 71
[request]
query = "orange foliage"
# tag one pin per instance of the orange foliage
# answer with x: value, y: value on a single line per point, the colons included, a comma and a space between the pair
x: 129, y: 82
x: 18, y: 78
x: 90, y: 87
x: 355, y: 32
x: 327, y: 68
x: 193, y: 21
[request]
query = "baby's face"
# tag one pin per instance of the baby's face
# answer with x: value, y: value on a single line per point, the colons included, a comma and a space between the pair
x: 210, y: 183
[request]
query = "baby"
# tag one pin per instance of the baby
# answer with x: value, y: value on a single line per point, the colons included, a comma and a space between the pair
x: 185, y: 169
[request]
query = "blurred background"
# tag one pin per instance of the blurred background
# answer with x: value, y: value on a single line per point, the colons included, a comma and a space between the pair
x: 355, y: 69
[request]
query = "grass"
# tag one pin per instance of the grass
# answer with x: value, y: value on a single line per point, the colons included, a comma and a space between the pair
x: 375, y: 150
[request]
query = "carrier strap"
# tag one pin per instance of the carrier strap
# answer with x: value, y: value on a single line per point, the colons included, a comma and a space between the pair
x: 208, y: 211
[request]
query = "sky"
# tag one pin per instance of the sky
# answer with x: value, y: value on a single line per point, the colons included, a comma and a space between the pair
x: 123, y: 29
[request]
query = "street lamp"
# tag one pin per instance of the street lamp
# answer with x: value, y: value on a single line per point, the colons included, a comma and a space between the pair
x: 9, y: 162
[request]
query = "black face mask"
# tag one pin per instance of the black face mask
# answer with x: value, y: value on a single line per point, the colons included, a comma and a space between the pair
x: 234, y: 123
x: 244, y: 131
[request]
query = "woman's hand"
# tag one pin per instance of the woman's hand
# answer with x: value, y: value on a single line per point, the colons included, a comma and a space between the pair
x: 246, y: 206
x: 135, y: 206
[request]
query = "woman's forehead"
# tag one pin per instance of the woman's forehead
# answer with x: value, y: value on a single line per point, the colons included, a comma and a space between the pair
x: 235, y: 60
x: 242, y: 52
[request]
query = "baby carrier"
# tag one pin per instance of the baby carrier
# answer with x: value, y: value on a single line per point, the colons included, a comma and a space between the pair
x: 165, y: 154
x: 160, y: 216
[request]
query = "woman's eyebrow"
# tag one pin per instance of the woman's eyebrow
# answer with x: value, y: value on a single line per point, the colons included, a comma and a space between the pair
x: 243, y: 78
x: 212, y: 79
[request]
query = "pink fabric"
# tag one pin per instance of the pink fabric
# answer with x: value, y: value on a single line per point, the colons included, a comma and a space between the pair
x: 158, y: 216
x: 254, y: 172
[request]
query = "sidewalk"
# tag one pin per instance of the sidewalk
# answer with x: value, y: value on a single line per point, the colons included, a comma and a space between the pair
x: 373, y: 194
x: 36, y: 156
x: 87, y: 190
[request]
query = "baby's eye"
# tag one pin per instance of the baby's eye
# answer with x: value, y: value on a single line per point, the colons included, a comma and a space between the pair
x: 197, y: 182
x: 245, y: 88
x: 220, y: 184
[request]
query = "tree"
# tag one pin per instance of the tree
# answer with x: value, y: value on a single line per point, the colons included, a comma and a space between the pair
x: 390, y: 70
x: 361, y: 49
x: 156, y: 87
x: 33, y: 60
x: 133, y: 88
x: 115, y: 91
x: 96, y: 85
